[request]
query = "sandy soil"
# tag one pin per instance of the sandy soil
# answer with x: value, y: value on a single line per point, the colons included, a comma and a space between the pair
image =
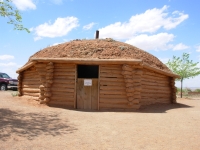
x: 26, y: 125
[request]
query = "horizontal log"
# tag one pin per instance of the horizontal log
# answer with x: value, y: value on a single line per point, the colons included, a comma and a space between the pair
x: 42, y: 73
x: 137, y: 88
x: 64, y: 70
x: 63, y: 89
x: 112, y: 83
x: 154, y: 91
x: 31, y: 83
x: 112, y: 92
x: 71, y: 77
x: 155, y: 81
x: 31, y: 80
x: 112, y: 79
x: 64, y: 65
x: 29, y: 86
x: 31, y: 90
x: 156, y: 99
x: 31, y: 75
x: 64, y: 81
x: 111, y: 75
x: 110, y: 71
x: 62, y: 99
x: 154, y: 74
x: 155, y: 77
x: 156, y: 87
x: 113, y: 101
x: 122, y: 106
x: 62, y: 94
x: 58, y: 85
x: 110, y: 96
x: 145, y: 83
x: 31, y: 94
x: 129, y: 84
x: 158, y: 95
x: 63, y: 73
x: 112, y: 88
x: 41, y: 69
x: 111, y: 67
x: 127, y: 76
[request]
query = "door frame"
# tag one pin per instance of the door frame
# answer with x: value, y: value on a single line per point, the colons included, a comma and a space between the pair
x: 76, y: 80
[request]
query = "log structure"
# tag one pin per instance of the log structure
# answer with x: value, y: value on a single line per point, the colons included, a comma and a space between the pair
x: 30, y: 82
x: 20, y: 76
x: 89, y: 75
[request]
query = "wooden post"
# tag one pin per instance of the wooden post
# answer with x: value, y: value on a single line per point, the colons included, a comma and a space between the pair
x: 99, y: 85
x: 75, y: 98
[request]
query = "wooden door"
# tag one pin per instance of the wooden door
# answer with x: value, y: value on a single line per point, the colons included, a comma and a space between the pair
x: 87, y: 96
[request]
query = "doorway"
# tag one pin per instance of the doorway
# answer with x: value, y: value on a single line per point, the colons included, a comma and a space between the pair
x: 87, y: 87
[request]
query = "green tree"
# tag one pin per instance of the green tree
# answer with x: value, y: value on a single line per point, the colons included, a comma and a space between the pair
x: 13, y: 15
x: 184, y: 67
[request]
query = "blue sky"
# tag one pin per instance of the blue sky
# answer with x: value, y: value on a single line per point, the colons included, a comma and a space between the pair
x: 161, y: 27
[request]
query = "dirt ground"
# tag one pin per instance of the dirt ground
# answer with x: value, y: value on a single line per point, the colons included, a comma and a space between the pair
x: 25, y: 125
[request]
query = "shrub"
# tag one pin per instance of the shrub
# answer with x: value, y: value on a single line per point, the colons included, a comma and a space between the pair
x: 197, y: 90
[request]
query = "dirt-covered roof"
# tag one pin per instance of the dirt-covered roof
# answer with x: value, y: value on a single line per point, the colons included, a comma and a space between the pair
x: 100, y: 49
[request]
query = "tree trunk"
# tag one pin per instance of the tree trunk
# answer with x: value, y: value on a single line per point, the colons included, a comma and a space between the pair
x: 181, y: 86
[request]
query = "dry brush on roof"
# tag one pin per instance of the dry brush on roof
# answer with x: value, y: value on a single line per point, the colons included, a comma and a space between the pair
x: 100, y: 49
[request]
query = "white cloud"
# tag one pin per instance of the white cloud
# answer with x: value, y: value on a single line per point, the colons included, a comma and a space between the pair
x: 198, y: 48
x: 88, y: 26
x: 180, y: 46
x: 10, y: 64
x: 148, y: 22
x: 6, y: 57
x: 24, y: 4
x: 154, y: 42
x: 61, y: 27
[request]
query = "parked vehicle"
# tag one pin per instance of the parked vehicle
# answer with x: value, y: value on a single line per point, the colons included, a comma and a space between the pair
x: 7, y: 82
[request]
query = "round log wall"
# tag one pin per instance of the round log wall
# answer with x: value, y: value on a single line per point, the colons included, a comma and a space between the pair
x: 29, y: 81
x: 174, y: 90
x: 132, y: 79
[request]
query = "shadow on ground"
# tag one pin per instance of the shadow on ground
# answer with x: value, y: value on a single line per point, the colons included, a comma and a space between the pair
x: 31, y: 125
x: 154, y: 108
x: 162, y: 108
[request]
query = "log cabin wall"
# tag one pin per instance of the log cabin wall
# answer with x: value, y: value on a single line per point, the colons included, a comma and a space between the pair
x: 41, y: 70
x: 63, y: 87
x: 156, y: 88
x: 112, y: 88
x: 30, y: 82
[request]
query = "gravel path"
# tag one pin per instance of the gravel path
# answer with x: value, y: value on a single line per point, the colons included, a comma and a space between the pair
x: 25, y: 125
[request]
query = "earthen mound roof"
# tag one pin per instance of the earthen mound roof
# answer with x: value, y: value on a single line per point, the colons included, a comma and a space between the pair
x: 100, y: 49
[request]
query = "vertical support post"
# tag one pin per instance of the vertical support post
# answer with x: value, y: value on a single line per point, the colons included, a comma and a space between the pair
x: 99, y: 84
x: 75, y: 88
